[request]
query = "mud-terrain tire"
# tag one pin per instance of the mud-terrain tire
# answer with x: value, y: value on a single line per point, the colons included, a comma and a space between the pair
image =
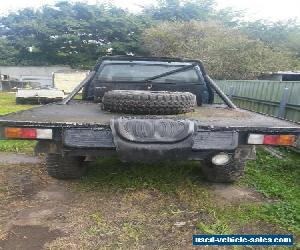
x: 228, y: 173
x: 148, y: 102
x: 65, y: 167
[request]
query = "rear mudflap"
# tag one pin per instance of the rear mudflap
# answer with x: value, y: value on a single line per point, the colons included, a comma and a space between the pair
x: 150, y: 140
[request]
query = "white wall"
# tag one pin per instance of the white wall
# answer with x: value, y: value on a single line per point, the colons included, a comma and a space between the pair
x: 17, y: 71
x: 67, y: 81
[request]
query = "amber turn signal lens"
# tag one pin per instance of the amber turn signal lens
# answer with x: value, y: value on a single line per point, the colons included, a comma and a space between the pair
x: 12, y: 132
x: 286, y: 139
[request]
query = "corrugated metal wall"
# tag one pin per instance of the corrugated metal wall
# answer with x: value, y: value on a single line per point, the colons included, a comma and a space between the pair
x: 265, y: 96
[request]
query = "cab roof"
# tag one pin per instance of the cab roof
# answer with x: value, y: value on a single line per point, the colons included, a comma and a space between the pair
x: 149, y: 58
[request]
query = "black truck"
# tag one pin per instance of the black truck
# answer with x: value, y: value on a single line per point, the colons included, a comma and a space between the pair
x: 147, y: 109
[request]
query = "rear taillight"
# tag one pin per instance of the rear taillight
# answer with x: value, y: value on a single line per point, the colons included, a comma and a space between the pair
x: 27, y: 133
x: 271, y: 139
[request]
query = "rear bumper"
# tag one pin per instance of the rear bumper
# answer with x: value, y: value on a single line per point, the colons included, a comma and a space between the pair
x: 104, y: 139
x: 150, y: 140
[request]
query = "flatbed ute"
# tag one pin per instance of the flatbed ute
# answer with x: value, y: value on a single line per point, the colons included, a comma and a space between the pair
x: 74, y: 131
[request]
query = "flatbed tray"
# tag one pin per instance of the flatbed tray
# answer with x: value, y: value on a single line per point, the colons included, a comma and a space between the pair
x: 88, y: 114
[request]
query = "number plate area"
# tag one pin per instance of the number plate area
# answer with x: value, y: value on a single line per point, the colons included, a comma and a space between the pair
x: 88, y: 138
x: 215, y: 140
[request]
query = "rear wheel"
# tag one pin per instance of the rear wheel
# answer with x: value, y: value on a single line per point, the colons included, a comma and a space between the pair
x: 65, y: 167
x: 223, y: 173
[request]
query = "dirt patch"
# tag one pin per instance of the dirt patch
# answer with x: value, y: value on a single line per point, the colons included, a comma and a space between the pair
x: 228, y: 193
x: 54, y: 192
x: 261, y: 227
x: 28, y: 238
x: 21, y: 181
x: 32, y: 205
x: 32, y: 216
x: 138, y: 219
x: 11, y: 158
x: 50, y: 206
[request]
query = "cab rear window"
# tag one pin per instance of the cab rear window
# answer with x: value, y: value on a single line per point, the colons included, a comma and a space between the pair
x: 139, y: 72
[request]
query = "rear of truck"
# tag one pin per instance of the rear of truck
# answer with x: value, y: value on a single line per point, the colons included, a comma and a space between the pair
x: 73, y: 132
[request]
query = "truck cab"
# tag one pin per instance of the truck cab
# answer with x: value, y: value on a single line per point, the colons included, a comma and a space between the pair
x: 125, y: 73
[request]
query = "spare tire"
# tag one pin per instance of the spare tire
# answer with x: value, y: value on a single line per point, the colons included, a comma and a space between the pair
x: 148, y: 102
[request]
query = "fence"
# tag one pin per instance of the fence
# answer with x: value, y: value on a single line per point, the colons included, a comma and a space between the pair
x: 281, y: 99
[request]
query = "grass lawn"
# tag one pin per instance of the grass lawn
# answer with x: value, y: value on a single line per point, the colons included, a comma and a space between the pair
x: 279, y: 181
x: 276, y: 180
x: 8, y: 105
x: 276, y: 183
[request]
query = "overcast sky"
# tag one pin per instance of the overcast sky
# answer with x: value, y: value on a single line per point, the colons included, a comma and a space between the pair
x: 256, y: 9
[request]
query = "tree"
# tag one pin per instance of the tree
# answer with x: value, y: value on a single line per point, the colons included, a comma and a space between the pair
x: 7, y: 53
x: 75, y: 34
x: 187, y: 10
x: 226, y: 52
x: 285, y: 34
x: 178, y: 10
